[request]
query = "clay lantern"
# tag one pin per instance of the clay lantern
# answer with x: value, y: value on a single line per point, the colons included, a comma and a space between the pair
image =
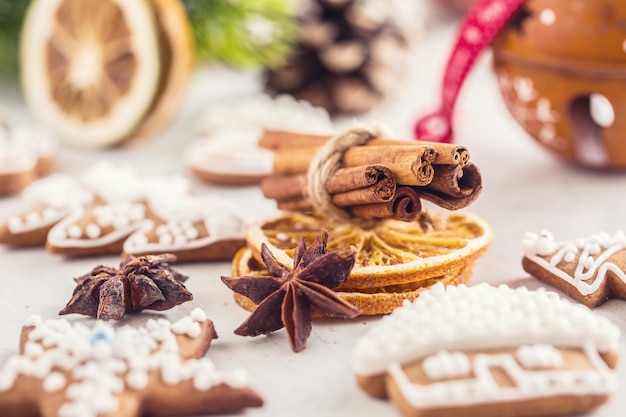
x: 561, y: 68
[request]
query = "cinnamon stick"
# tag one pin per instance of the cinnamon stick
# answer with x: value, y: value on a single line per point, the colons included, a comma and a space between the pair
x: 453, y: 186
x: 283, y: 187
x: 288, y: 161
x: 274, y: 139
x: 446, y: 153
x: 344, y: 183
x: 411, y: 165
x: 380, y: 192
x: 294, y: 204
x: 351, y: 178
x: 405, y: 205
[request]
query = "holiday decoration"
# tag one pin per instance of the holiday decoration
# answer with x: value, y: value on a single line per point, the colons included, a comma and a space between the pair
x: 348, y: 55
x: 100, y: 73
x: 561, y: 67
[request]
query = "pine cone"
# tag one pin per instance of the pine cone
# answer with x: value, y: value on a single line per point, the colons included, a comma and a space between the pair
x: 347, y: 56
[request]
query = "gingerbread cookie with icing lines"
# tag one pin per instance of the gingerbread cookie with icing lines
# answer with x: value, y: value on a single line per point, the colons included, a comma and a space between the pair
x: 590, y: 270
x: 70, y: 370
x: 25, y: 155
x: 225, y: 148
x: 119, y: 209
x: 48, y: 201
x: 192, y: 228
x: 489, y: 351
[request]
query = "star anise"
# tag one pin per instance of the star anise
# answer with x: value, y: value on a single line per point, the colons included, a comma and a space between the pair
x: 285, y: 298
x: 143, y: 282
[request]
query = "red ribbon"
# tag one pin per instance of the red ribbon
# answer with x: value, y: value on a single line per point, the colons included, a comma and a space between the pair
x: 477, y: 30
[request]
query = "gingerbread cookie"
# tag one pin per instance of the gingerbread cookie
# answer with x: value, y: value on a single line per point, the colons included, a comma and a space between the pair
x: 119, y: 209
x: 192, y: 228
x: 47, y: 202
x: 590, y: 270
x: 25, y: 155
x: 489, y: 351
x: 71, y: 370
x: 225, y: 149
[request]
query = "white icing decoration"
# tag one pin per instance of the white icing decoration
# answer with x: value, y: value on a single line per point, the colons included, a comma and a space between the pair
x: 526, y: 384
x: 103, y: 360
x: 129, y: 216
x: 539, y: 356
x: 228, y: 133
x: 590, y: 271
x: 182, y: 217
x: 116, y: 183
x: 93, y: 231
x: 444, y: 364
x: 54, y: 382
x: 479, y: 317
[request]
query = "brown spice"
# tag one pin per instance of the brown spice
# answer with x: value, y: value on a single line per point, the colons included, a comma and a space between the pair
x: 285, y: 298
x: 143, y: 282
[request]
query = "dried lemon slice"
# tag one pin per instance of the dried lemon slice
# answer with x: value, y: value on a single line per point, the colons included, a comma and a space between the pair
x: 91, y: 68
x: 395, y: 261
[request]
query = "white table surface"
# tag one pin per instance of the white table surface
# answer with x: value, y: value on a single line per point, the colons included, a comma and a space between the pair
x: 525, y: 189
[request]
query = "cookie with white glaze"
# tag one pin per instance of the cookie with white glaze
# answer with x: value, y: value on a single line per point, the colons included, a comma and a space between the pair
x: 25, y: 155
x: 489, y: 351
x: 71, y: 370
x: 194, y: 228
x: 225, y: 148
x: 46, y: 202
x: 118, y: 209
x: 590, y: 270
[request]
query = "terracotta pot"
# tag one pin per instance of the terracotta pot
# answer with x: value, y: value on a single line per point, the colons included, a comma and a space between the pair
x: 561, y: 68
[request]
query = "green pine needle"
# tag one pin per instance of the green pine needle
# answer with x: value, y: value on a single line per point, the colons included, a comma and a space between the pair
x: 240, y: 33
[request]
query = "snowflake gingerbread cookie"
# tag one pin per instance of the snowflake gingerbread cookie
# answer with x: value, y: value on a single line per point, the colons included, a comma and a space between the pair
x: 71, y: 370
x: 489, y: 351
x: 590, y: 270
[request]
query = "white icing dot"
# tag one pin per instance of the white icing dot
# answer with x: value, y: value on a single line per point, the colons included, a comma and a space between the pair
x: 14, y: 222
x: 33, y: 217
x: 191, y: 233
x: 54, y: 382
x: 166, y: 239
x: 93, y: 231
x: 539, y: 356
x: 74, y: 231
x: 198, y: 314
x: 50, y: 213
x: 547, y: 17
x: 137, y: 379
x: 446, y: 364
x: 570, y: 257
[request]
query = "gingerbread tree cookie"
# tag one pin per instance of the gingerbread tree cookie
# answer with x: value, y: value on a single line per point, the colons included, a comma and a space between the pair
x: 590, y: 270
x: 72, y: 370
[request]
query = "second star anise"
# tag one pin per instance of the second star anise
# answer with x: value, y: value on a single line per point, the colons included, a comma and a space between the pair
x: 285, y: 298
x: 143, y: 282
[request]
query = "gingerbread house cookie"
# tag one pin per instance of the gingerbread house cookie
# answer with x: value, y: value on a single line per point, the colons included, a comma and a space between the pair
x: 590, y: 270
x: 489, y: 351
x: 72, y: 370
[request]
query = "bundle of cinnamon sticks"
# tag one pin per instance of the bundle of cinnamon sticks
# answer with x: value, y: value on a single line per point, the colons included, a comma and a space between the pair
x: 383, y: 178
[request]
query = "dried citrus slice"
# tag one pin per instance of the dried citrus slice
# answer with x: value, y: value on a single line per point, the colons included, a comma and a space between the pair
x: 91, y: 68
x: 177, y: 58
x: 395, y: 261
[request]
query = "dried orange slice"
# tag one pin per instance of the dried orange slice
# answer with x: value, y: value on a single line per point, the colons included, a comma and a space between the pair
x: 396, y: 260
x: 100, y: 71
